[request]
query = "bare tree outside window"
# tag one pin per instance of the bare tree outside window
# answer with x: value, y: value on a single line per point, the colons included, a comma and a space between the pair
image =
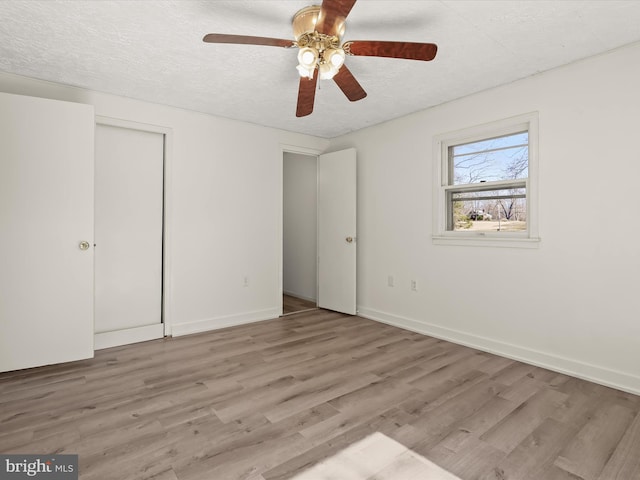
x: 488, y: 179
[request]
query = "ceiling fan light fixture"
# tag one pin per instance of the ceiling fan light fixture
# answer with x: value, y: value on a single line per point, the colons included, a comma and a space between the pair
x: 334, y: 57
x: 305, y: 72
x: 307, y: 59
x: 327, y: 71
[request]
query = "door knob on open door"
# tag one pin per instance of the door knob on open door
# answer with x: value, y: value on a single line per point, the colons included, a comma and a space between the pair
x: 349, y: 239
x: 83, y: 245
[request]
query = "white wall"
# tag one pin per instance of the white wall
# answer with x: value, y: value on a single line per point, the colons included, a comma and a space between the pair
x: 225, y: 206
x: 300, y: 234
x: 572, y: 303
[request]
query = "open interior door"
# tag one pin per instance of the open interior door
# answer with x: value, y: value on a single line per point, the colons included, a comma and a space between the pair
x: 337, y: 231
x: 46, y: 231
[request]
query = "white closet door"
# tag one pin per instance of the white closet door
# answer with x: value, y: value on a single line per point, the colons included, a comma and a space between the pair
x: 128, y: 235
x: 46, y: 211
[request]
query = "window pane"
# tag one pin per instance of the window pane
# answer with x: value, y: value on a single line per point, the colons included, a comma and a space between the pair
x: 500, y: 158
x: 506, y: 212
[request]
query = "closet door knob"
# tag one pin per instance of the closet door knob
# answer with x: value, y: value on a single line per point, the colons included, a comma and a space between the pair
x: 83, y: 245
x: 349, y: 239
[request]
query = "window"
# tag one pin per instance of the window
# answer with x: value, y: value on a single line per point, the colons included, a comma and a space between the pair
x: 485, y: 184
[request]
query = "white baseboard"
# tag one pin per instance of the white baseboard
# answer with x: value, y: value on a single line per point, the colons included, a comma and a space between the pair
x: 127, y: 336
x: 593, y: 373
x: 223, y: 322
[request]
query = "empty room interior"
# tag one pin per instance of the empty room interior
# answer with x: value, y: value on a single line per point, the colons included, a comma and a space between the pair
x: 356, y: 240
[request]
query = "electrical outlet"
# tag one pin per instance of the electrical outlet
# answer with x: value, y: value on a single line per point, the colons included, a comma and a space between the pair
x: 390, y: 280
x: 414, y: 285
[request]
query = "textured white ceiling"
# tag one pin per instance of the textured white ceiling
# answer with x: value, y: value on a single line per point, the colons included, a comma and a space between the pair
x: 153, y: 51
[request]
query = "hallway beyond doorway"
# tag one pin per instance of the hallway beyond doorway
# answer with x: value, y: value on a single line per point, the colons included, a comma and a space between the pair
x: 292, y: 304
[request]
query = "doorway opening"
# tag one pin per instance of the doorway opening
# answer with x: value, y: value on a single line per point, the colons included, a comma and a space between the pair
x: 299, y: 232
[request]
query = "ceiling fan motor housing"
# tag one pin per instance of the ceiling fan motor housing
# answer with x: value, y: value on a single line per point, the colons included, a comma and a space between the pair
x: 305, y: 20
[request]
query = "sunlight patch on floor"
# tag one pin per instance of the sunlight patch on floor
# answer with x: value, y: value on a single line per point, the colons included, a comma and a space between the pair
x: 376, y: 457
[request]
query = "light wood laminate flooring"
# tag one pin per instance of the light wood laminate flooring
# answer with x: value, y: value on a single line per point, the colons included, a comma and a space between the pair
x: 292, y: 304
x: 267, y: 401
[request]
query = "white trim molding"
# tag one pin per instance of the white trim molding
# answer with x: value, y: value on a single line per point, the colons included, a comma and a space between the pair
x: 225, y: 321
x: 482, y: 241
x: 594, y: 373
x: 127, y: 336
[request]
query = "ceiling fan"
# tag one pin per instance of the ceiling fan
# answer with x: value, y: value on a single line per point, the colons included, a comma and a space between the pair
x: 318, y: 32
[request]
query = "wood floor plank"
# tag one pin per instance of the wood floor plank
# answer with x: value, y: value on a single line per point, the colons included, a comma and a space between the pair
x: 466, y: 462
x: 358, y: 405
x: 457, y: 366
x: 529, y: 415
x: 444, y: 417
x: 266, y: 401
x: 522, y: 389
x: 292, y: 304
x: 535, y: 454
x: 586, y: 455
x: 625, y: 461
x: 379, y: 423
x: 484, y: 418
x: 299, y: 399
x: 512, y: 373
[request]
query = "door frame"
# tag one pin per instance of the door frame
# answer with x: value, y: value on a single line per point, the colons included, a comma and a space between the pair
x: 167, y: 221
x: 311, y: 152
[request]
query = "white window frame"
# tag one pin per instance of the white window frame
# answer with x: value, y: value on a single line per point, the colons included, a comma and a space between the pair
x: 441, y: 236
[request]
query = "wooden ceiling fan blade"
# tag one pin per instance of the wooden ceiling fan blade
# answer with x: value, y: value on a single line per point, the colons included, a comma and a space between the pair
x: 332, y: 16
x: 408, y: 50
x: 247, y: 40
x: 306, y: 95
x: 349, y: 85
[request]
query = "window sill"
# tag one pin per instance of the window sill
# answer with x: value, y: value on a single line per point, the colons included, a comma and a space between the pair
x: 485, y: 241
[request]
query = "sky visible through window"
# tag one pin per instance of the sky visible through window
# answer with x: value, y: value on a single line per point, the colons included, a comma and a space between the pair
x: 501, y: 158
